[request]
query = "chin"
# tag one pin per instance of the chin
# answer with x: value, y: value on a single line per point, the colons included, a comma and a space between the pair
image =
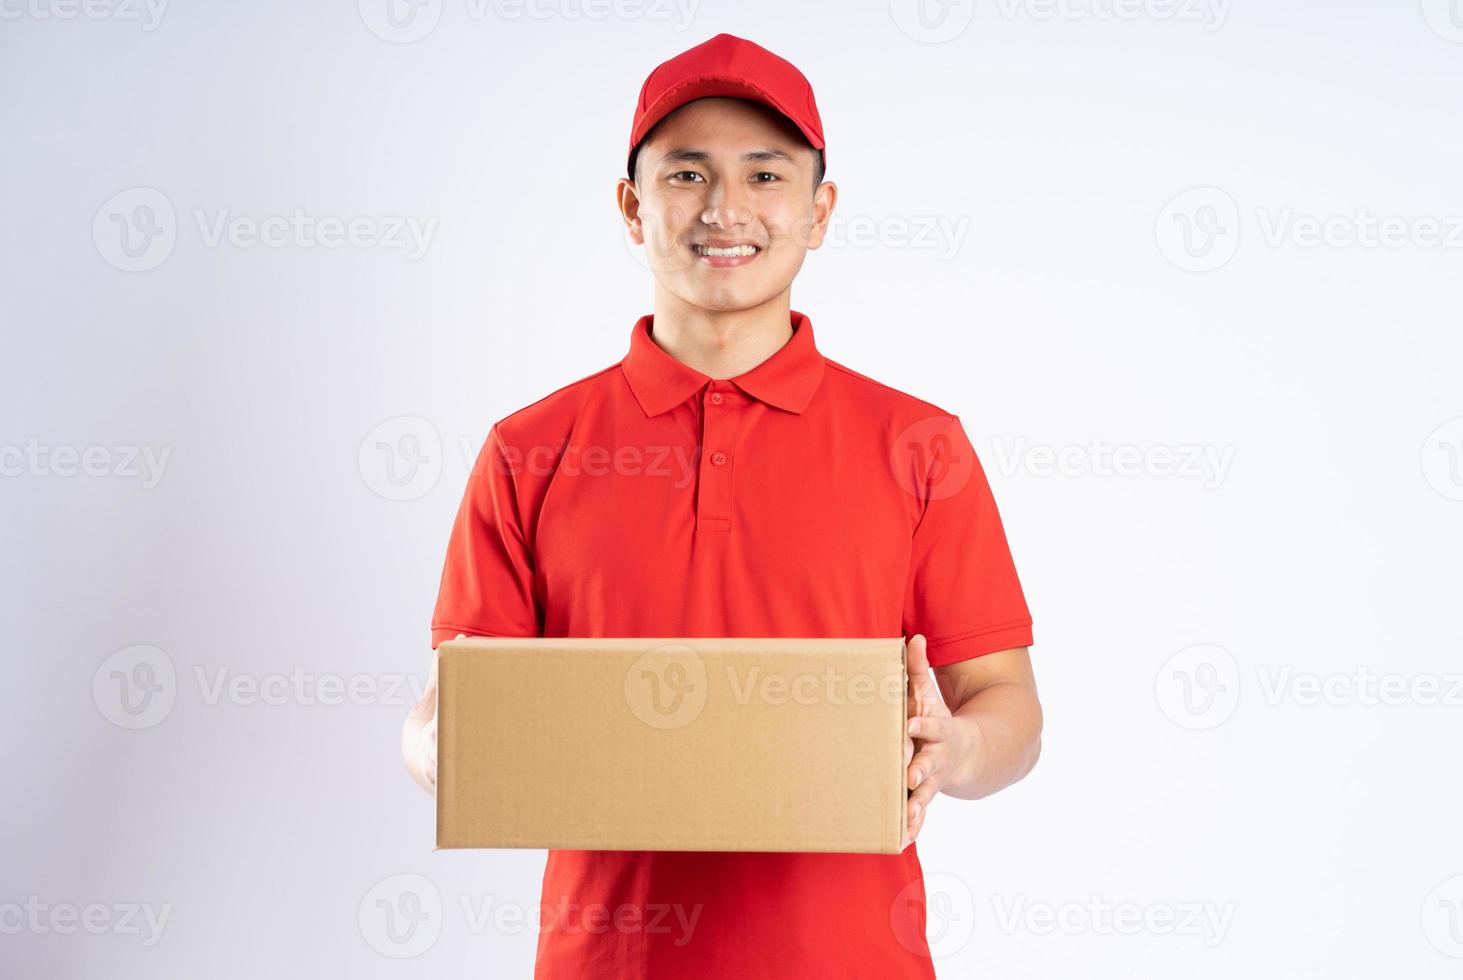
x: 725, y: 300
x: 728, y: 297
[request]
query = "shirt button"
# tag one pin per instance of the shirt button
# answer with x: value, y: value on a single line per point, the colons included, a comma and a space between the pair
x: 716, y: 398
x: 718, y: 459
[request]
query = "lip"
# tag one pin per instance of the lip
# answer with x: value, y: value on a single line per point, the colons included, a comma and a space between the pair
x: 725, y: 261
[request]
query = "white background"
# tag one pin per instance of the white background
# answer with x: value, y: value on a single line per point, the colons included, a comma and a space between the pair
x: 1295, y: 778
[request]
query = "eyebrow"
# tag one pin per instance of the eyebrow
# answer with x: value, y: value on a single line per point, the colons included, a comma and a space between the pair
x: 686, y: 154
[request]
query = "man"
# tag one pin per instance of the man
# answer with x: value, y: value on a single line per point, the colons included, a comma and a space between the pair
x: 726, y: 479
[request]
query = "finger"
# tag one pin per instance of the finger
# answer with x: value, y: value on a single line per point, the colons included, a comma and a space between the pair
x: 919, y: 808
x: 911, y: 827
x: 925, y: 764
x: 930, y: 728
x: 927, y: 791
x: 908, y: 751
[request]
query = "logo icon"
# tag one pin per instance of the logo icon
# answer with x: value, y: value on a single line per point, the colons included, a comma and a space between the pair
x: 135, y: 230
x: 135, y: 687
x: 665, y: 250
x: 400, y: 21
x: 667, y: 687
x: 929, y: 462
x: 949, y: 915
x: 1198, y: 687
x: 1442, y: 459
x: 1442, y: 917
x: 1445, y: 17
x: 932, y: 21
x: 401, y: 459
x: 1198, y: 230
x: 401, y: 916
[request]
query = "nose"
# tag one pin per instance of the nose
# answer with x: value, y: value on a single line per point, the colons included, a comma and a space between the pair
x: 726, y: 205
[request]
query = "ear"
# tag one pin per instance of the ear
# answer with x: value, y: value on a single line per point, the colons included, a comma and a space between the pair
x: 825, y: 196
x: 627, y: 199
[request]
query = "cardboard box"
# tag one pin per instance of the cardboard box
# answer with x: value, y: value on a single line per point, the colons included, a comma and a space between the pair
x: 674, y: 744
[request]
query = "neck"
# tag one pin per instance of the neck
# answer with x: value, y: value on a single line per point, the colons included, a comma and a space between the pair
x: 721, y: 344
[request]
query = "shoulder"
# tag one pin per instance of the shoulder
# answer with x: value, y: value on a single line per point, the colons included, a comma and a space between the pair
x: 850, y: 387
x: 551, y: 417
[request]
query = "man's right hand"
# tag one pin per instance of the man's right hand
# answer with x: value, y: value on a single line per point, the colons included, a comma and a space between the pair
x: 419, y: 734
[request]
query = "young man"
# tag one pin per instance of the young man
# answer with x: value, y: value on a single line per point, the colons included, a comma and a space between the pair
x: 726, y: 479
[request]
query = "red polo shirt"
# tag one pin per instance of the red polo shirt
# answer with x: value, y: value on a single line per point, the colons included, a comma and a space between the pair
x: 800, y: 499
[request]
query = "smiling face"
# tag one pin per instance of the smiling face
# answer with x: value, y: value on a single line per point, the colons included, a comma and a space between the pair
x: 725, y: 203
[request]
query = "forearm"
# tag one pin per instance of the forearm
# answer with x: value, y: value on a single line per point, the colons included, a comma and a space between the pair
x: 1000, y: 740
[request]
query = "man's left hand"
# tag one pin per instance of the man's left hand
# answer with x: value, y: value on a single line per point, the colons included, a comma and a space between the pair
x: 934, y: 741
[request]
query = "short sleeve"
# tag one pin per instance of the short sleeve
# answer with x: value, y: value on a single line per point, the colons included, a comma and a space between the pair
x: 963, y: 593
x: 487, y: 584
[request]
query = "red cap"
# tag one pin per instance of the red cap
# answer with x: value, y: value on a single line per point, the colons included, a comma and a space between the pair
x: 727, y: 66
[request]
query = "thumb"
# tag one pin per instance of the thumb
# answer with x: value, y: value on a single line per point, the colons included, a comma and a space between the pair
x: 917, y: 661
x: 923, y: 694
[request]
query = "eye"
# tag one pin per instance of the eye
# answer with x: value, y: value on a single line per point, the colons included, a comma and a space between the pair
x: 765, y: 173
x: 686, y: 173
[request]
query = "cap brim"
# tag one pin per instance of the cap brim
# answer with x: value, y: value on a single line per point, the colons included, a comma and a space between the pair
x: 705, y: 87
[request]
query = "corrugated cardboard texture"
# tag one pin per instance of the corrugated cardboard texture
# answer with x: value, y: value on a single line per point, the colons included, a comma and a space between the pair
x: 672, y: 744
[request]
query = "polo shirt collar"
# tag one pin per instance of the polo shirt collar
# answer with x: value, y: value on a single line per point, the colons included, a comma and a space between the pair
x: 786, y: 380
